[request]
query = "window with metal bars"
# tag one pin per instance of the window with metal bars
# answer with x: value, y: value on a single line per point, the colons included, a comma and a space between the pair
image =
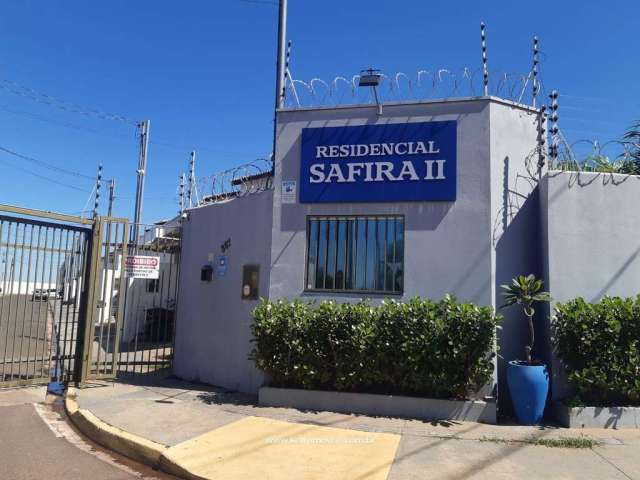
x: 355, y: 254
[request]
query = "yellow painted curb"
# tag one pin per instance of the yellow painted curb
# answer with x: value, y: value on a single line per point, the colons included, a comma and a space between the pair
x: 121, y: 441
x: 171, y: 467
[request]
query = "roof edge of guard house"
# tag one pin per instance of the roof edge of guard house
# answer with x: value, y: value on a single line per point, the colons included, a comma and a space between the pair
x: 489, y: 98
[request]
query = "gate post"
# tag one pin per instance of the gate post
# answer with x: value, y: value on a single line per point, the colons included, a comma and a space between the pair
x: 87, y: 314
x: 122, y: 288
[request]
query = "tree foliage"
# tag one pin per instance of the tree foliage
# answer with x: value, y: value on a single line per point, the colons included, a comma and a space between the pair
x: 526, y: 291
x: 632, y: 141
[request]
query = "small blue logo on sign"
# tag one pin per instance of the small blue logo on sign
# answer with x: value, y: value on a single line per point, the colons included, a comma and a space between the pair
x: 288, y: 186
x: 379, y: 163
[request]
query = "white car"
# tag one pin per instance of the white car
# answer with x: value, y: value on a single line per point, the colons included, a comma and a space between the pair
x: 44, y: 294
x: 39, y: 294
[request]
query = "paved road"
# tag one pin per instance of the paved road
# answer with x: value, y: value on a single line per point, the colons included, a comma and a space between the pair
x: 38, y: 338
x: 37, y: 443
x: 25, y: 331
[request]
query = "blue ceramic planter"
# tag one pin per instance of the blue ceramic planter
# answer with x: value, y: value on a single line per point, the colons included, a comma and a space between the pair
x: 529, y: 385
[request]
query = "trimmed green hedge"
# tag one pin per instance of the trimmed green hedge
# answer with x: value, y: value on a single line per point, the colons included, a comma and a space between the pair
x: 599, y: 343
x: 436, y: 349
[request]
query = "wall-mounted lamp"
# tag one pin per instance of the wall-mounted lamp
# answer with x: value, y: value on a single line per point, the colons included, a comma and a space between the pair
x: 371, y: 78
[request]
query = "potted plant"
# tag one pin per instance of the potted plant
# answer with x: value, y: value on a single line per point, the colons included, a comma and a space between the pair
x: 528, y: 379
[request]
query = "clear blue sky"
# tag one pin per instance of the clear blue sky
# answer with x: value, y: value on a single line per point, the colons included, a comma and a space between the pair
x: 203, y: 72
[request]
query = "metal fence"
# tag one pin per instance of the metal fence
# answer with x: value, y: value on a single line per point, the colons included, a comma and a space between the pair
x: 42, y: 264
x: 72, y: 307
x: 150, y: 304
x: 133, y: 323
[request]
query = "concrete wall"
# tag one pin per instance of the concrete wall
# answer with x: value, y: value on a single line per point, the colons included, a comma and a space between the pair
x: 591, y: 246
x: 447, y: 244
x: 213, y: 327
x: 515, y: 219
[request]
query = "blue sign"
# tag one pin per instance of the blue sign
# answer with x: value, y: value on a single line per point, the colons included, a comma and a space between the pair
x: 398, y: 162
x: 221, y: 265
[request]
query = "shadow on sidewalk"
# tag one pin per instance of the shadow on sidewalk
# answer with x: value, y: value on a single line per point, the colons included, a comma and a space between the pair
x: 219, y: 396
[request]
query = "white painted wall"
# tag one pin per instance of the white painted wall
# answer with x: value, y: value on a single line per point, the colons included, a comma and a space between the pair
x: 213, y: 327
x: 139, y: 299
x: 23, y: 288
x: 515, y: 230
x: 591, y: 246
x: 447, y: 244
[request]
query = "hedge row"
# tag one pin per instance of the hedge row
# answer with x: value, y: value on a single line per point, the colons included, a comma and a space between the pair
x: 599, y: 343
x: 438, y: 349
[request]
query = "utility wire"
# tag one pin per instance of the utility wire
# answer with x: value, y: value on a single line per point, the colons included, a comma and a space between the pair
x: 84, y: 209
x: 46, y: 165
x: 42, y: 177
x: 39, y: 97
x: 183, y: 148
x: 72, y: 126
x: 115, y: 136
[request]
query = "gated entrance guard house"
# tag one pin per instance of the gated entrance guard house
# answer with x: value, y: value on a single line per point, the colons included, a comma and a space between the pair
x: 66, y: 298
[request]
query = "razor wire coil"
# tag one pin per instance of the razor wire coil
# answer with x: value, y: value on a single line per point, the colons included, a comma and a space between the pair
x: 424, y: 84
x: 247, y: 179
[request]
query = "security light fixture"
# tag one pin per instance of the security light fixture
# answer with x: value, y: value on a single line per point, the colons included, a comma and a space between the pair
x: 371, y: 78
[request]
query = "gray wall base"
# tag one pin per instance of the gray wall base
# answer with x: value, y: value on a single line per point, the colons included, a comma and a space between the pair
x: 596, y: 417
x: 379, y: 405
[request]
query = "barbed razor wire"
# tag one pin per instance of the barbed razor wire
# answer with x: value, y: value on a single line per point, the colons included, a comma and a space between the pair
x: 246, y: 179
x: 424, y: 84
x: 586, y: 155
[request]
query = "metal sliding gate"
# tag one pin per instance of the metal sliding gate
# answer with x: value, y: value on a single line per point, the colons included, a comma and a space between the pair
x: 72, y: 305
x: 42, y: 263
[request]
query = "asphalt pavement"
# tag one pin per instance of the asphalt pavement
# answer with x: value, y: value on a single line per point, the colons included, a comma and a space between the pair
x: 38, y: 443
x: 37, y: 337
x: 25, y: 331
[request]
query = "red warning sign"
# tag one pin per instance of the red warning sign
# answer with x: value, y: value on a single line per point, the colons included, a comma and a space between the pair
x: 141, y: 266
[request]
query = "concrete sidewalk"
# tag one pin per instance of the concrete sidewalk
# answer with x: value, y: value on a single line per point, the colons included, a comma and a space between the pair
x: 209, y: 433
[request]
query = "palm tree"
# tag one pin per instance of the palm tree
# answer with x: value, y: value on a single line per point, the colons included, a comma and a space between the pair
x: 526, y: 291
